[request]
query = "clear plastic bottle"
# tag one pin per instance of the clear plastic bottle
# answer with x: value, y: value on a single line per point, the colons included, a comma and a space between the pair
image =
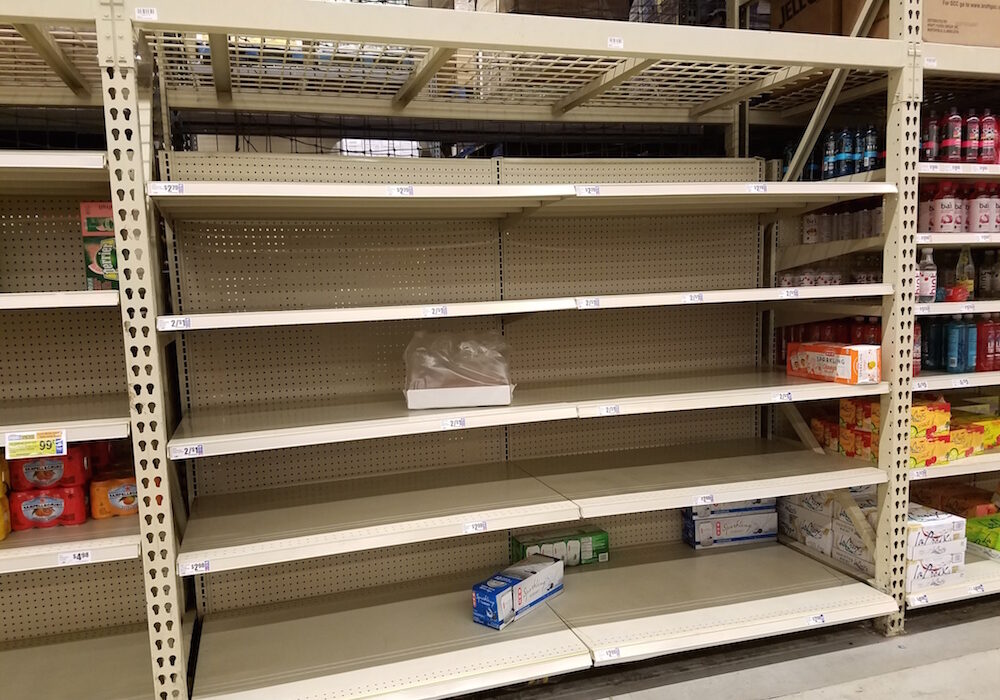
x: 986, y: 290
x: 917, y: 349
x: 965, y: 275
x: 951, y: 137
x: 924, y: 208
x: 845, y: 152
x: 988, y: 138
x: 980, y: 206
x: 931, y: 138
x: 830, y: 155
x: 970, y: 137
x: 927, y: 285
x: 869, y: 158
x: 946, y: 210
x: 995, y: 206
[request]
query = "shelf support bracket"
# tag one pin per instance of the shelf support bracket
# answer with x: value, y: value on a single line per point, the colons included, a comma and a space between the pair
x: 55, y: 57
x: 861, y: 524
x: 791, y: 413
x: 612, y: 78
x: 218, y: 44
x: 846, y: 96
x: 774, y: 81
x: 421, y: 75
x: 862, y: 25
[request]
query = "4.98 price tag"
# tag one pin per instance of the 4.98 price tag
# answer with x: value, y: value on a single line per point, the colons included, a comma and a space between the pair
x: 41, y: 443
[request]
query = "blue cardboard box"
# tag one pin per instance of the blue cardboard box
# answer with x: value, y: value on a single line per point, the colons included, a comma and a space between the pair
x: 516, y: 591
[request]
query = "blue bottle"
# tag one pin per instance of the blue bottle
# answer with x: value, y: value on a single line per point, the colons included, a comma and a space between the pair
x: 859, y: 149
x: 869, y: 160
x: 845, y: 153
x: 955, y: 354
x: 830, y: 156
x: 970, y: 343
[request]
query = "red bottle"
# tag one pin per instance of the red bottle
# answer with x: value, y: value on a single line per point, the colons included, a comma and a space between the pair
x: 988, y: 138
x: 993, y: 345
x: 951, y: 137
x: 931, y: 137
x: 917, y: 352
x: 858, y: 330
x: 970, y: 138
x: 984, y: 329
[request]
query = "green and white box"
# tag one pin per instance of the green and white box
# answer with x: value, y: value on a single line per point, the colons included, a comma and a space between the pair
x: 574, y: 547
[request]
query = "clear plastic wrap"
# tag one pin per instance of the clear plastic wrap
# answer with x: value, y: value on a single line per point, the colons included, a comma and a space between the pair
x: 445, y: 370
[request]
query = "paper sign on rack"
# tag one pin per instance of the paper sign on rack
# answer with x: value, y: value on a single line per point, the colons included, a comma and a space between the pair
x: 40, y: 443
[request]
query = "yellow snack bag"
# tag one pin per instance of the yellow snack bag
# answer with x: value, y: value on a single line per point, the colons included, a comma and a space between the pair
x: 4, y: 516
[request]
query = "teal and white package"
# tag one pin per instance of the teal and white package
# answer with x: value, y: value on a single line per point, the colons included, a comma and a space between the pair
x: 515, y: 591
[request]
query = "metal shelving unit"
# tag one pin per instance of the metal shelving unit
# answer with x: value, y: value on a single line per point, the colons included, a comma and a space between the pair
x: 315, y: 500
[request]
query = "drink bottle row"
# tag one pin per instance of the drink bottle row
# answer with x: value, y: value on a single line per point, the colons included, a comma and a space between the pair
x: 959, y: 138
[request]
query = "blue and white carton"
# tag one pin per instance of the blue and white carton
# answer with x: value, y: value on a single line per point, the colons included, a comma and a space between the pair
x: 516, y: 591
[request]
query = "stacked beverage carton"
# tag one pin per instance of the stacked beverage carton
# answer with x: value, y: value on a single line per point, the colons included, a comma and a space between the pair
x: 711, y: 525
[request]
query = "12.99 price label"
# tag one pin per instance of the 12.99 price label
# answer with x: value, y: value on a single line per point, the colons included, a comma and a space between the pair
x: 41, y: 443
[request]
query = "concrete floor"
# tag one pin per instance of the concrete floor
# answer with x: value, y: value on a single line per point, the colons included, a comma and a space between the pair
x: 950, y: 652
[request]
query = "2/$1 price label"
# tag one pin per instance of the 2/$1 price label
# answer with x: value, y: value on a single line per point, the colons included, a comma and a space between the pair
x: 40, y: 443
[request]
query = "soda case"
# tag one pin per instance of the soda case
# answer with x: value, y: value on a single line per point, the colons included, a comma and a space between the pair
x: 113, y: 497
x: 48, y: 507
x: 50, y: 472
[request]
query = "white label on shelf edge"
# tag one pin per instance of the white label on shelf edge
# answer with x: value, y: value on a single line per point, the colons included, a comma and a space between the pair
x: 921, y: 600
x: 930, y: 167
x: 969, y: 308
x: 473, y: 528
x: 612, y: 410
x: 923, y: 238
x: 608, y: 654
x: 781, y: 396
x: 920, y: 385
x: 788, y: 293
x: 187, y: 452
x: 817, y: 619
x: 588, y: 302
x: 452, y: 423
x: 960, y: 383
x: 83, y: 556
x: 588, y: 190
x: 757, y: 188
x: 146, y: 13
x: 177, y: 323
x: 40, y: 443
x: 918, y: 474
x: 930, y: 61
x: 981, y: 168
x: 955, y: 167
x: 923, y: 309
x: 693, y: 297
x: 400, y: 190
x: 706, y: 500
x: 197, y: 567
x: 166, y: 188
x: 984, y: 237
x: 436, y: 311
x: 978, y: 589
x: 616, y: 42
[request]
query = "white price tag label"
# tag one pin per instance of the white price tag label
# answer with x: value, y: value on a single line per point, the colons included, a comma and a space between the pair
x: 969, y: 308
x: 175, y: 323
x: 984, y: 237
x: 789, y: 293
x: 781, y: 396
x: 930, y: 167
x: 817, y: 619
x: 400, y: 190
x: 616, y: 42
x: 588, y: 190
x: 436, y: 311
x: 960, y: 383
x: 608, y: 654
x: 920, y: 385
x: 148, y: 14
x: 955, y: 167
x: 166, y: 188
x: 922, y: 309
x: 978, y: 589
x: 473, y: 528
x: 693, y: 297
x: 588, y: 302
x: 197, y: 567
x: 921, y: 600
x: 452, y: 423
x: 923, y: 238
x: 41, y: 443
x: 981, y: 168
x: 187, y: 452
x: 918, y: 473
x: 757, y: 188
x: 612, y: 410
x: 706, y: 500
x: 930, y: 61
x: 84, y: 556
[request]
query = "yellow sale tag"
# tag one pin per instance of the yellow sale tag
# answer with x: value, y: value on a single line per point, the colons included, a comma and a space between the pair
x: 41, y: 443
